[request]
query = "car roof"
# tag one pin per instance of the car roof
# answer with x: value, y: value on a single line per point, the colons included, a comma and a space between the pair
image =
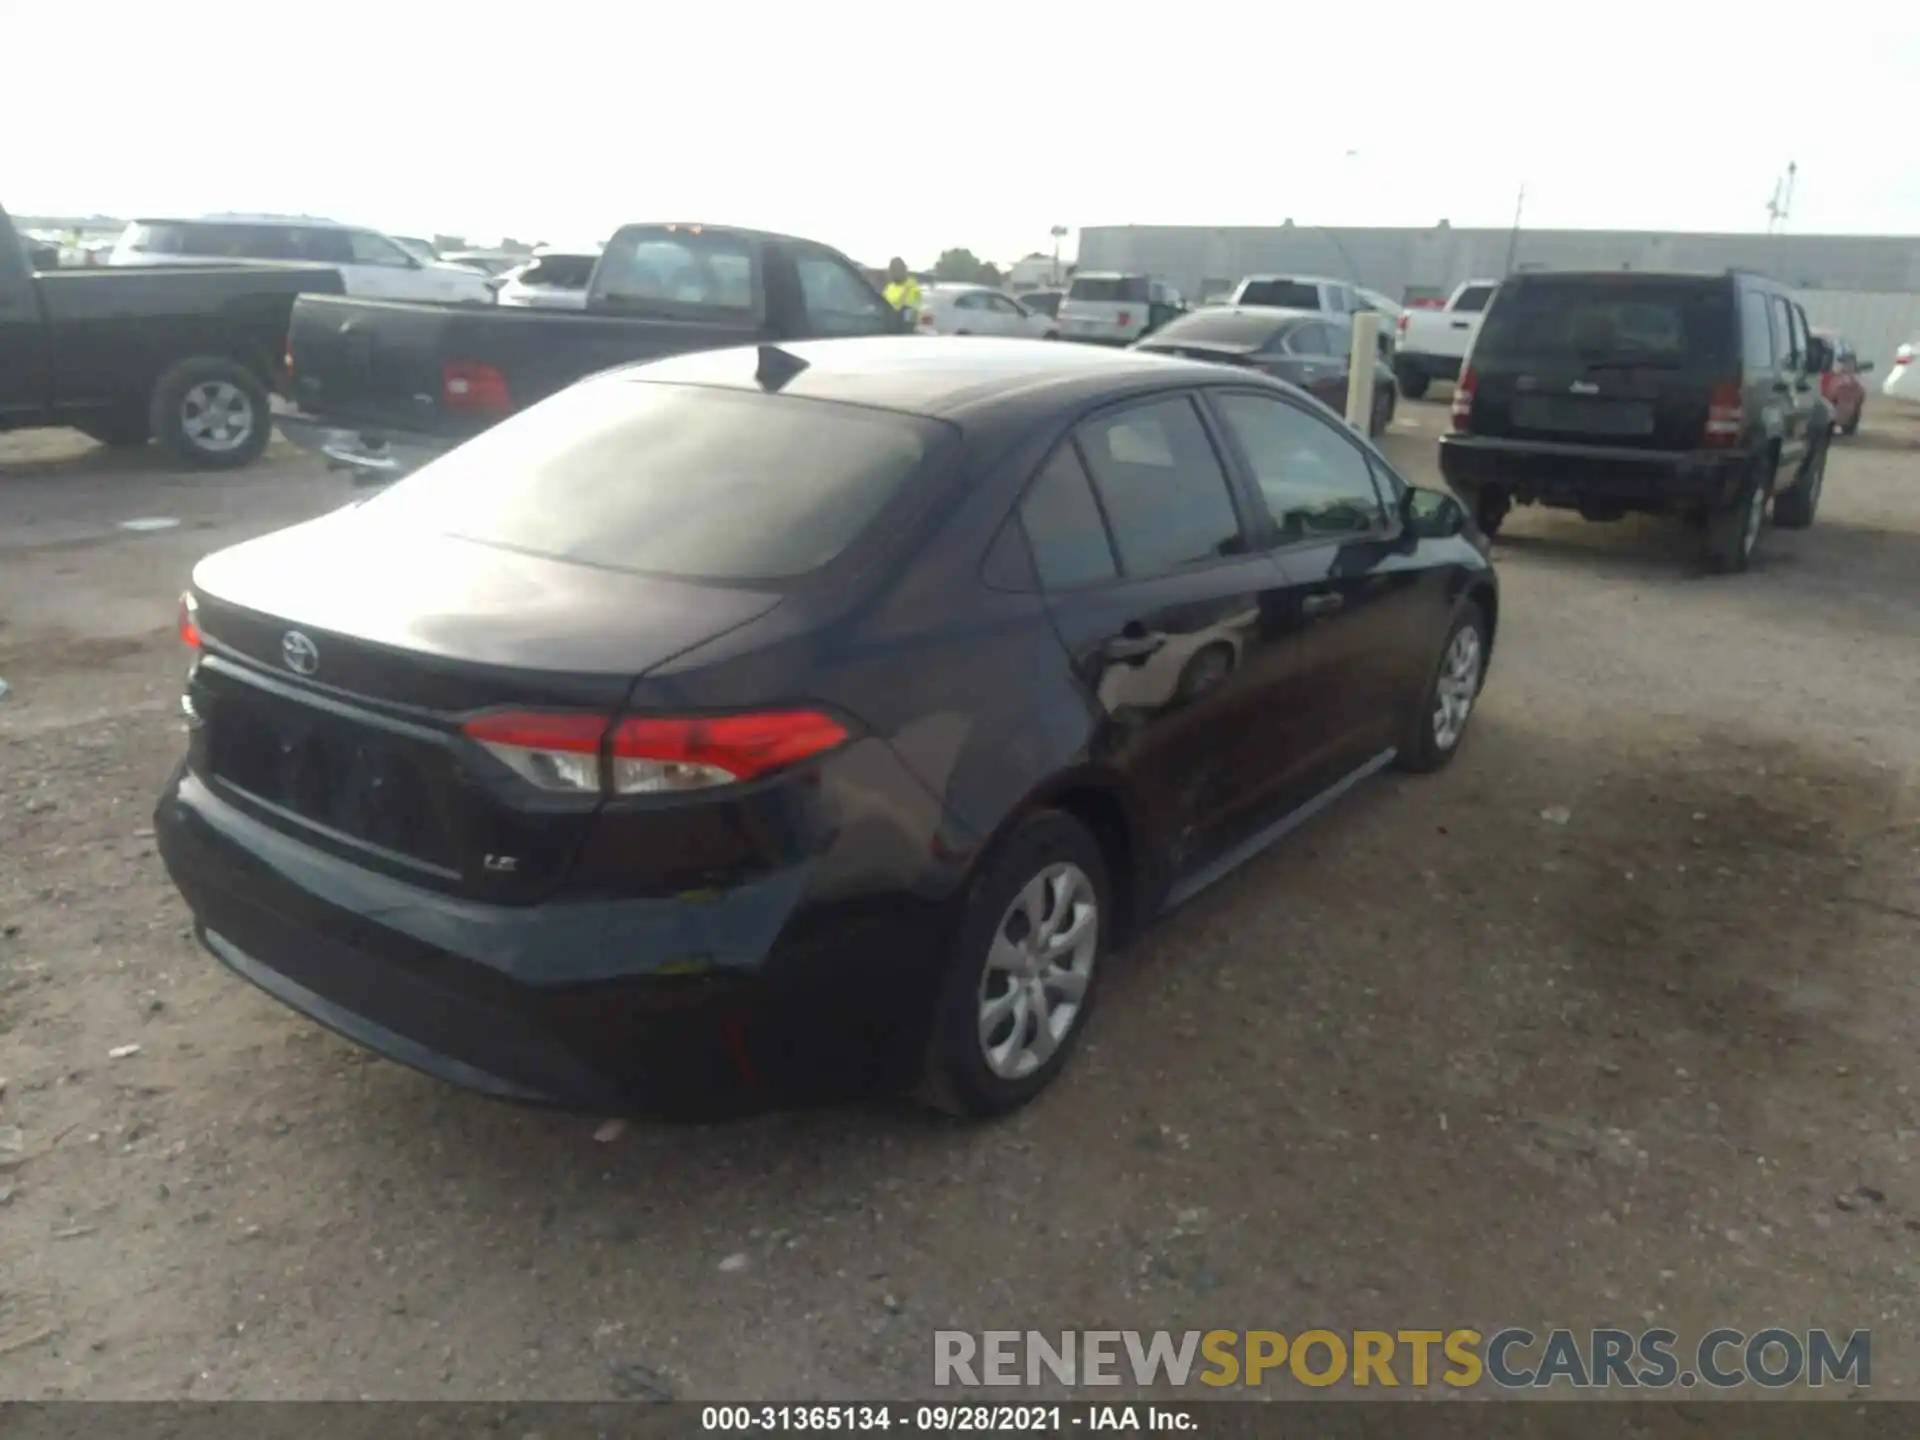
x: 1296, y: 279
x: 1111, y: 275
x: 944, y: 377
x: 310, y: 221
x: 1272, y: 312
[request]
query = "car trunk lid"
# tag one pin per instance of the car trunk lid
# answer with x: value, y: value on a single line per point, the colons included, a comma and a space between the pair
x: 331, y: 705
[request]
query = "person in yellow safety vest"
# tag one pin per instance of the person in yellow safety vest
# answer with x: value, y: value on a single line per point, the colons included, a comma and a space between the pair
x: 903, y: 291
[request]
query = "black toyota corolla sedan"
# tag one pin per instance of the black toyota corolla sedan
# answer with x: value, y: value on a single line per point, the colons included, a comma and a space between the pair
x: 779, y: 724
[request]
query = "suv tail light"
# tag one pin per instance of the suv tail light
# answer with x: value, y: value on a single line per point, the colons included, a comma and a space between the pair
x: 1400, y: 324
x: 474, y: 388
x: 1726, y: 415
x: 650, y: 755
x: 189, y: 620
x: 1126, y: 319
x: 1462, y: 412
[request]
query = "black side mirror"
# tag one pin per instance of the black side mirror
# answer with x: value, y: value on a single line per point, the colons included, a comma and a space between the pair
x: 1431, y: 515
x: 1819, y: 356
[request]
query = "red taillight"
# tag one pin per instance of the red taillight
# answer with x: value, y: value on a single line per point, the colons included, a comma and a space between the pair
x: 1401, y: 324
x: 584, y: 754
x: 926, y: 319
x: 1726, y: 416
x: 1126, y: 319
x: 189, y: 621
x: 474, y: 388
x: 1463, y: 400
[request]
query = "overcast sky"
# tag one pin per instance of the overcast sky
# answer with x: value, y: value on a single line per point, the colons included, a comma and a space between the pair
x: 909, y: 127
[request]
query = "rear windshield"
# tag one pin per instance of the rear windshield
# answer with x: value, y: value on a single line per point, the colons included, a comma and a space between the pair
x: 229, y: 240
x: 679, y: 270
x: 1659, y: 321
x: 1284, y: 294
x: 563, y: 272
x: 1109, y: 288
x: 680, y: 480
x: 1219, y: 327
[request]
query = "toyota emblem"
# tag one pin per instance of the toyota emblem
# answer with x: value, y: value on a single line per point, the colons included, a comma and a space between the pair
x: 300, y: 653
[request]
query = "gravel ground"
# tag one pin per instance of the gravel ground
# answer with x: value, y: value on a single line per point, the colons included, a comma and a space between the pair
x: 1612, y: 1023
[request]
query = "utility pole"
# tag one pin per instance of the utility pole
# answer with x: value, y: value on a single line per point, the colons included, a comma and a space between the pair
x: 1513, y: 236
x: 1059, y: 234
x: 1781, y: 205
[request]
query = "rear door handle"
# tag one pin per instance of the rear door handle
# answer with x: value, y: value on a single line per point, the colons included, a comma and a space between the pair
x: 1462, y: 324
x: 1133, y: 647
x: 1324, y: 604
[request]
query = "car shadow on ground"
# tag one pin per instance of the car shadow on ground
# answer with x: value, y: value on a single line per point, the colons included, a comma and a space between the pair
x: 1582, y: 970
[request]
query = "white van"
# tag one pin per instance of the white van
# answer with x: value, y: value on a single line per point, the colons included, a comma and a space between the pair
x: 1110, y: 308
x: 370, y: 264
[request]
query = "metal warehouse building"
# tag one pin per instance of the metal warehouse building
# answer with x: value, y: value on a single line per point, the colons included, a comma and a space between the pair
x: 1865, y: 285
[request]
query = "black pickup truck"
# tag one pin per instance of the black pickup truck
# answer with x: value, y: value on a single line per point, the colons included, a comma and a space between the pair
x: 186, y: 354
x: 381, y: 386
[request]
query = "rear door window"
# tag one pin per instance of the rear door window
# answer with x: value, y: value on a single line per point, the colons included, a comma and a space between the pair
x: 1314, y: 340
x: 837, y: 298
x: 1063, y: 525
x: 1474, y: 299
x: 1161, y: 486
x: 680, y: 271
x: 682, y: 480
x: 1756, y: 333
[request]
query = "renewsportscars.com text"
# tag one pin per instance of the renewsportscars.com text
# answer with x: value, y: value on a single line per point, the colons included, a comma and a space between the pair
x: 1510, y: 1359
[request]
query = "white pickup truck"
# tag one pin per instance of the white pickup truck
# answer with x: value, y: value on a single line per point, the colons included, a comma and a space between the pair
x: 1432, y: 343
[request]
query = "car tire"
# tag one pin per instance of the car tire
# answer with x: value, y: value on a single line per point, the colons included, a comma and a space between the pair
x: 1439, y: 725
x: 1040, y: 877
x: 118, y: 432
x: 1794, y: 509
x: 1488, y: 504
x: 1733, y: 530
x: 212, y: 413
x: 1382, y: 414
x: 1413, y: 383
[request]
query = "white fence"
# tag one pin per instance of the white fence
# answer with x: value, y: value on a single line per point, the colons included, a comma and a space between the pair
x: 1876, y: 324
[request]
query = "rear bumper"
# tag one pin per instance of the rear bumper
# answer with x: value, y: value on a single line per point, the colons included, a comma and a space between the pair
x: 1434, y: 367
x: 371, y: 456
x: 687, y: 1007
x: 1565, y: 475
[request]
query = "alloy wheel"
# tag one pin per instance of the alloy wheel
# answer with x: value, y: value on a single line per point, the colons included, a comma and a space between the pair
x: 1034, y: 984
x: 1457, y: 687
x: 217, y: 416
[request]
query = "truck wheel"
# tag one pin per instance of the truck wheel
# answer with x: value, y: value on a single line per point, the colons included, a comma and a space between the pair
x: 1733, y: 531
x: 1794, y: 509
x: 1487, y: 504
x: 1413, y: 383
x: 212, y: 413
x: 118, y: 432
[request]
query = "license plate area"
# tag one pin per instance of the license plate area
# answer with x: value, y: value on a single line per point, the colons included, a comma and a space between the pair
x: 354, y: 779
x: 1572, y: 415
